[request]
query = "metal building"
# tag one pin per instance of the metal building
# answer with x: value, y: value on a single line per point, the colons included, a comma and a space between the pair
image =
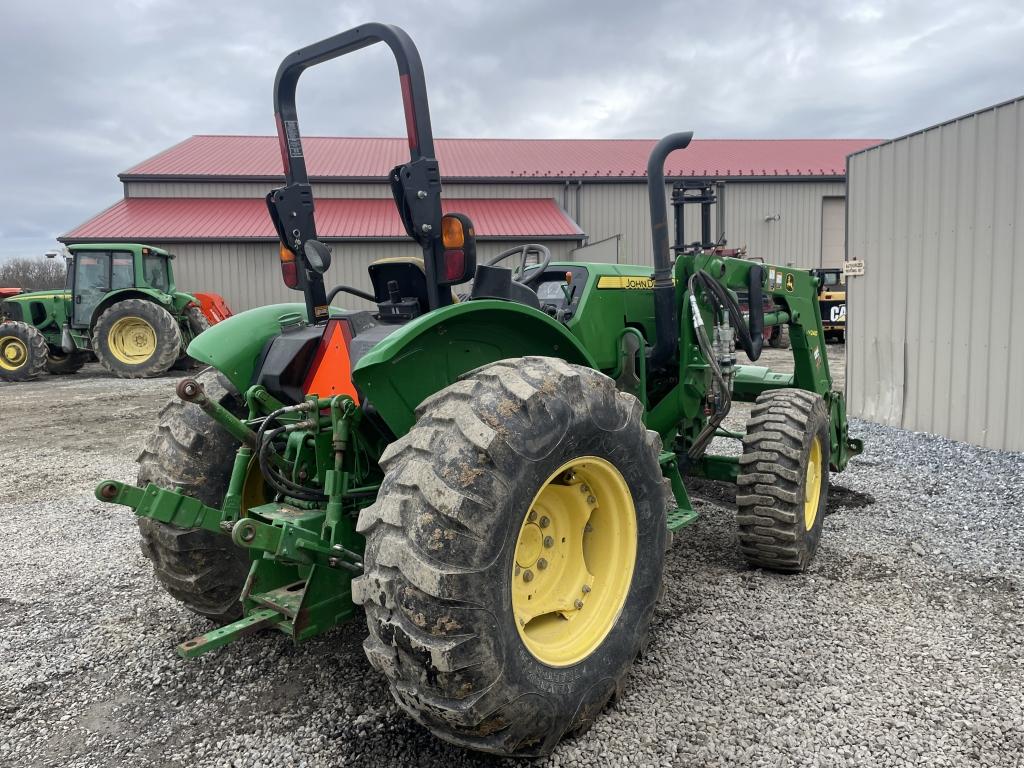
x: 938, y: 218
x: 585, y: 199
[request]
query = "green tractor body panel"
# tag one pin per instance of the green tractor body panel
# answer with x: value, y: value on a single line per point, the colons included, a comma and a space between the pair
x: 615, y: 296
x: 431, y: 352
x: 234, y: 346
x: 46, y: 310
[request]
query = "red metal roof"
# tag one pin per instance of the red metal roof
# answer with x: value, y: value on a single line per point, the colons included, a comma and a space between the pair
x: 156, y: 219
x: 259, y: 157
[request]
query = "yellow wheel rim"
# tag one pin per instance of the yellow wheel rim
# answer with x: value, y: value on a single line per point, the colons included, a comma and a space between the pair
x: 812, y: 487
x: 574, y: 561
x: 132, y: 340
x: 13, y: 353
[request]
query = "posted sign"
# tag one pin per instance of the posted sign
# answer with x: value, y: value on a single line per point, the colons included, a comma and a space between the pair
x: 853, y: 268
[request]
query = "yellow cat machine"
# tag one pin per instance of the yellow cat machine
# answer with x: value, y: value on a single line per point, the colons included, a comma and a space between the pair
x: 832, y: 301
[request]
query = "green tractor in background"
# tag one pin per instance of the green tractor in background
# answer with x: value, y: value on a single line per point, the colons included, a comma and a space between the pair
x: 119, y: 305
x: 496, y: 479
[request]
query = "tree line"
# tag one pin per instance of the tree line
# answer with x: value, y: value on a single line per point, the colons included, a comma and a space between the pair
x: 32, y: 274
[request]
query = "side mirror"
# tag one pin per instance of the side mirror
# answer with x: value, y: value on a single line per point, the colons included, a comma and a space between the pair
x: 318, y: 255
x: 51, y: 254
x: 459, y: 241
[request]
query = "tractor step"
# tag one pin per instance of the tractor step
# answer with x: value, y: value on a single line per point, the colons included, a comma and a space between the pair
x: 680, y: 518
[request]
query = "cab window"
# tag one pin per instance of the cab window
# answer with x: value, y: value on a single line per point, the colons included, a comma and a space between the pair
x: 154, y: 269
x: 122, y: 271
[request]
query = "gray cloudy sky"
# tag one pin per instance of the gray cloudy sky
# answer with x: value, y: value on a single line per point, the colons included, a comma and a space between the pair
x: 91, y: 88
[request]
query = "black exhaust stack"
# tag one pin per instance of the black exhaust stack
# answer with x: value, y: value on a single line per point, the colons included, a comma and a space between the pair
x: 665, y: 323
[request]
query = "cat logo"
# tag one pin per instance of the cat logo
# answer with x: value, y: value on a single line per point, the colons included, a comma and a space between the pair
x: 789, y: 283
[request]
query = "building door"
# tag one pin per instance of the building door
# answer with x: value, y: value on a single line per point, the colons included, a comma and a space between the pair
x: 833, y: 231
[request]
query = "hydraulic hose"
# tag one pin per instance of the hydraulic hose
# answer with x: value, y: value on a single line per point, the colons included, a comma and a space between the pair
x: 750, y: 335
x: 707, y: 434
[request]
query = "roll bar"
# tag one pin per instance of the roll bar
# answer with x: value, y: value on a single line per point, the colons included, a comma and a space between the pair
x: 416, y: 185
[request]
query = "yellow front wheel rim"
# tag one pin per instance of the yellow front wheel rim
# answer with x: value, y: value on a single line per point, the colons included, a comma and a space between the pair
x: 13, y: 353
x: 812, y: 486
x: 132, y: 340
x: 574, y: 561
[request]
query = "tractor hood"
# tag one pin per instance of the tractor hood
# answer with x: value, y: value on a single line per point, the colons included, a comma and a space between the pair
x: 59, y: 293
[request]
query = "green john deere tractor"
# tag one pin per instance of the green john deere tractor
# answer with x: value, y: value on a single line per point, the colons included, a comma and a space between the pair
x: 495, y: 480
x: 119, y: 305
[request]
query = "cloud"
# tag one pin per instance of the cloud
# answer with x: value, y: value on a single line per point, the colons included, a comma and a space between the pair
x: 91, y: 89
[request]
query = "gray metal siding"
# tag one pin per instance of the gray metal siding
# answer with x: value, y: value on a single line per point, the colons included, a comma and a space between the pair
x: 938, y: 218
x: 607, y: 209
x: 795, y: 239
x: 249, y: 274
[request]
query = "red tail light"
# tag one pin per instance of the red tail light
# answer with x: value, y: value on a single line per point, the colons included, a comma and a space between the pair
x: 454, y: 265
x: 289, y: 269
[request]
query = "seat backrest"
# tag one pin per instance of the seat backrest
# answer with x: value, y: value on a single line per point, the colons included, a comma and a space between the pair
x: 407, y: 271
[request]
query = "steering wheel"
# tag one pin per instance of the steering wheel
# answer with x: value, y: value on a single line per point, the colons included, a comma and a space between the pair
x: 520, y: 269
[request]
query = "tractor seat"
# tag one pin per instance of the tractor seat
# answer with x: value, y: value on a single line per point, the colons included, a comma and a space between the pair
x: 408, y: 273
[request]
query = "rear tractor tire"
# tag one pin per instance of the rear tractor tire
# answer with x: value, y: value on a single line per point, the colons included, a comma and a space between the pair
x: 782, y: 487
x: 514, y: 555
x: 136, y: 339
x: 191, y: 452
x: 23, y: 351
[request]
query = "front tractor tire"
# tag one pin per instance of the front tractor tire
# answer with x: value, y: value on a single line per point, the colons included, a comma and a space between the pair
x: 23, y: 351
x: 135, y: 339
x: 61, y: 363
x: 779, y: 338
x: 782, y: 487
x: 514, y: 555
x: 191, y: 453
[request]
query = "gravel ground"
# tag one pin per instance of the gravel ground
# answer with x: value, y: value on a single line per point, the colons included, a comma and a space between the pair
x: 900, y: 646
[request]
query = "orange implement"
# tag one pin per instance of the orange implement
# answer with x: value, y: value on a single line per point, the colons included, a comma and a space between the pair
x: 213, y: 306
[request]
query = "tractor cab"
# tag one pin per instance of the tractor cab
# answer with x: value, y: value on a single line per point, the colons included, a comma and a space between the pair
x: 96, y: 270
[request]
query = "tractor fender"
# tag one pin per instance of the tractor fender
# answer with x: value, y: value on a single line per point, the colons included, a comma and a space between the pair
x: 234, y: 346
x: 436, y: 349
x: 147, y: 294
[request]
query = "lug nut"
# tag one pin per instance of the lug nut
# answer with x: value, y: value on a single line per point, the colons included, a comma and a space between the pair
x: 578, y: 604
x: 584, y: 488
x: 532, y: 517
x: 591, y: 500
x: 586, y: 589
x: 542, y: 564
x: 545, y: 522
x: 549, y: 542
x: 527, y: 575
